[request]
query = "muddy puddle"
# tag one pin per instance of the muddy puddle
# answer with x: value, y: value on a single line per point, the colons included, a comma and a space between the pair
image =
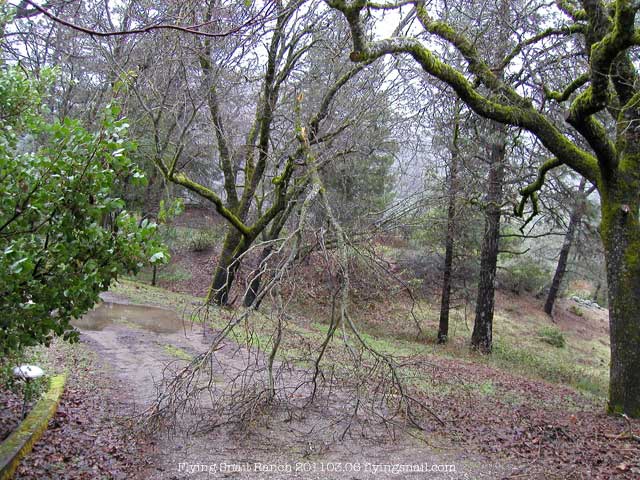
x: 153, y: 319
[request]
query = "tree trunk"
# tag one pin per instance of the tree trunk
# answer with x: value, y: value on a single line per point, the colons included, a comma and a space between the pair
x: 154, y: 275
x: 620, y: 233
x: 443, y: 328
x: 274, y: 232
x: 574, y: 221
x: 482, y: 337
x: 254, y: 287
x: 232, y: 248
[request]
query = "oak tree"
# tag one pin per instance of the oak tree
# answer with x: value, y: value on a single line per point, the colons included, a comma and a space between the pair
x: 599, y: 102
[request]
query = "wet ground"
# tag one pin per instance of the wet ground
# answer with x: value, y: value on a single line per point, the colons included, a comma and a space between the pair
x: 153, y: 319
x: 140, y: 344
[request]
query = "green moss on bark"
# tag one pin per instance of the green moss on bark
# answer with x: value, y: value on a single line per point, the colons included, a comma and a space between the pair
x: 21, y: 441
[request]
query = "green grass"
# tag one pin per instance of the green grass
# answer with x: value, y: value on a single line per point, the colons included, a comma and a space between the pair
x: 528, y: 346
x: 177, y: 352
x: 141, y: 293
x: 520, y: 344
x: 556, y: 368
x: 165, y: 273
x: 553, y: 336
x: 487, y: 388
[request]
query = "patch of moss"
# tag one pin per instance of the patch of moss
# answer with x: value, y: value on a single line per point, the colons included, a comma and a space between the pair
x: 21, y: 441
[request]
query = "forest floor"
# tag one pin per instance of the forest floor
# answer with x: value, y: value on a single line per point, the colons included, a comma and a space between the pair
x: 498, y: 424
x: 531, y: 410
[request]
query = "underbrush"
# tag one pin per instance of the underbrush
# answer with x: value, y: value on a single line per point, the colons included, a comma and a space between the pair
x: 553, y: 336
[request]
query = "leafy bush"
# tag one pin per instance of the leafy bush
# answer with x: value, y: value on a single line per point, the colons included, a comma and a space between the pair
x: 523, y: 275
x: 576, y: 310
x: 553, y: 336
x: 64, y: 234
x: 203, y: 241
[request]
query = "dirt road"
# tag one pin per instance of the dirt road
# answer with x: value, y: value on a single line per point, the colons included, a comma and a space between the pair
x: 137, y: 344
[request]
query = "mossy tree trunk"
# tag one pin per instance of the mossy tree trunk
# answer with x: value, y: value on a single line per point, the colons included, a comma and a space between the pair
x: 226, y: 268
x: 620, y: 231
x: 600, y: 105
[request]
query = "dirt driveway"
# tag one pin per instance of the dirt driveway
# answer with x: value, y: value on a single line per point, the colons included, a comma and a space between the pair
x: 137, y: 343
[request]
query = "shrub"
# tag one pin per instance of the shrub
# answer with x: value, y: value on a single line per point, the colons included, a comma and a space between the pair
x: 65, y: 233
x: 523, y: 274
x: 553, y: 336
x: 576, y: 310
x: 203, y: 241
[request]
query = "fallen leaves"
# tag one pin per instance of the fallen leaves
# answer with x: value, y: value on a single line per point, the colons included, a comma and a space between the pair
x: 88, y: 437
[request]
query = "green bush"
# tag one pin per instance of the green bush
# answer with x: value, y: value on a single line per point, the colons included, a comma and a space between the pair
x: 64, y: 232
x: 552, y: 336
x: 203, y: 241
x: 576, y: 310
x: 523, y: 274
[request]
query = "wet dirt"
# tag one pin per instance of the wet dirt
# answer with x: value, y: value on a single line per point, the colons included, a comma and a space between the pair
x: 137, y: 341
x: 153, y: 319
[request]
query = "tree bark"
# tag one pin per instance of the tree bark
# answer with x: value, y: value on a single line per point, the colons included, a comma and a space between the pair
x: 274, y: 232
x: 445, y: 302
x: 596, y: 292
x: 482, y: 337
x: 620, y: 233
x: 227, y: 266
x: 254, y: 286
x: 574, y: 221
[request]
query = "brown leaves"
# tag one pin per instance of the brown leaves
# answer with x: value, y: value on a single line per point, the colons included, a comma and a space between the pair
x: 85, y: 440
x: 546, y: 430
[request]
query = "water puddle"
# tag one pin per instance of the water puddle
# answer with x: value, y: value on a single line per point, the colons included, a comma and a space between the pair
x: 153, y: 319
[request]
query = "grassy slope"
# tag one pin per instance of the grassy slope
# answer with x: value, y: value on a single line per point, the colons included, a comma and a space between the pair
x: 521, y: 329
x: 520, y: 326
x: 532, y: 404
x: 520, y: 346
